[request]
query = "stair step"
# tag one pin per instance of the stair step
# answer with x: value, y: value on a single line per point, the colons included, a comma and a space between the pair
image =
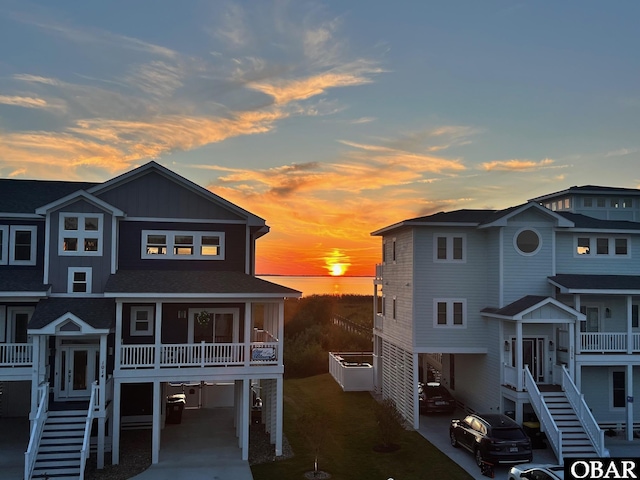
x: 57, y: 441
x: 58, y: 455
x: 60, y: 447
x: 57, y: 473
x: 63, y: 426
x: 58, y: 464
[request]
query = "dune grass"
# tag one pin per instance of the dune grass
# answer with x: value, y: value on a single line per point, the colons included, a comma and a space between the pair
x: 350, y: 435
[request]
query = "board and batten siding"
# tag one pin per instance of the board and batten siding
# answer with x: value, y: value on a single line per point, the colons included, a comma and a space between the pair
x: 450, y: 280
x: 567, y: 262
x: 59, y: 264
x: 398, y: 283
x: 154, y: 195
x: 527, y: 274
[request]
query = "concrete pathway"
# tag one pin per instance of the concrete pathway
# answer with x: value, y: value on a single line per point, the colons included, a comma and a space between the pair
x: 14, y: 440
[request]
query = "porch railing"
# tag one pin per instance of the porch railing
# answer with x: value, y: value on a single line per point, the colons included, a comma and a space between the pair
x: 576, y: 399
x: 199, y: 355
x: 37, y: 426
x: 86, y: 443
x: 603, y: 342
x: 16, y: 354
x: 548, y: 425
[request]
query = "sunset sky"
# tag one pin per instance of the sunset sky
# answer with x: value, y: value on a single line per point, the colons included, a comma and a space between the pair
x: 329, y: 119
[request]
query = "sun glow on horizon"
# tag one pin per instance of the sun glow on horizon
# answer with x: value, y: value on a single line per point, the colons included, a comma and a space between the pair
x: 337, y: 263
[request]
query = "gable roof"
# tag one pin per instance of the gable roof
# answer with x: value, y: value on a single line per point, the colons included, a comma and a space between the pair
x: 77, y: 195
x: 253, y: 220
x: 25, y: 196
x: 591, y: 223
x: 99, y: 313
x: 524, y: 306
x: 192, y: 283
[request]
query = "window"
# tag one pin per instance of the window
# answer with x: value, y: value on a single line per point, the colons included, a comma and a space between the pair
x: 384, y: 251
x: 394, y: 308
x: 527, y: 242
x: 393, y: 250
x: 618, y: 389
x: 449, y: 248
x: 587, y: 202
x: 23, y: 245
x: 4, y: 244
x: 634, y: 316
x: 567, y: 203
x: 80, y: 234
x: 602, y: 246
x: 79, y: 280
x: 171, y: 245
x: 141, y: 321
x: 627, y: 203
x: 449, y: 312
x: 601, y: 202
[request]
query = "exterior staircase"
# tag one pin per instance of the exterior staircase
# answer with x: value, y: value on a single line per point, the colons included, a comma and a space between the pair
x: 575, y: 441
x: 59, y: 453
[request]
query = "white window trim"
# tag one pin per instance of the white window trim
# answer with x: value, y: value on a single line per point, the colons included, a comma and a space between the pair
x: 450, y: 237
x: 593, y: 246
x: 4, y: 248
x: 70, y: 282
x: 132, y: 322
x: 394, y: 252
x: 515, y: 242
x: 34, y: 242
x: 449, y: 302
x: 394, y: 311
x: 171, y: 234
x: 236, y: 321
x: 80, y: 234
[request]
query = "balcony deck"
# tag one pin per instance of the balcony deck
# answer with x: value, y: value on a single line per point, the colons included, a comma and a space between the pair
x: 16, y: 354
x: 608, y: 342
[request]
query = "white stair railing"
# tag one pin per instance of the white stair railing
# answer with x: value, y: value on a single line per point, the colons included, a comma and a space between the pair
x: 547, y: 424
x: 36, y: 430
x: 576, y: 399
x: 86, y: 443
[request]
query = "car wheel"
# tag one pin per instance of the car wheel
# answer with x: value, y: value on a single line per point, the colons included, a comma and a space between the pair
x: 479, y: 460
x: 453, y: 439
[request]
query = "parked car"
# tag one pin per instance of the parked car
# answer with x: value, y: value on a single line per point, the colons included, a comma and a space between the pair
x: 537, y: 472
x: 492, y: 438
x: 434, y: 397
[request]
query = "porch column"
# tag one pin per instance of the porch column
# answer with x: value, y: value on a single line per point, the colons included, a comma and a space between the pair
x: 102, y: 399
x: 577, y: 332
x: 279, y: 409
x: 281, y: 332
x: 416, y: 403
x: 155, y: 429
x: 629, y: 329
x: 518, y: 355
x: 629, y: 399
x: 118, y: 340
x: 246, y: 395
x: 115, y: 433
x: 157, y: 336
x: 35, y: 376
x: 247, y: 333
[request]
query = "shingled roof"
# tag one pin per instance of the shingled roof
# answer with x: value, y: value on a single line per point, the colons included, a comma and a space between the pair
x: 100, y: 313
x: 192, y: 282
x: 24, y: 196
x: 17, y: 281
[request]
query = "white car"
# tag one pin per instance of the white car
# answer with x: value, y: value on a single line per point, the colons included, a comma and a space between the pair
x: 536, y: 472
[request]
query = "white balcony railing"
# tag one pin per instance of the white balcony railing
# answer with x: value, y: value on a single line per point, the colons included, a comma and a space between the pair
x: 16, y: 354
x: 199, y: 355
x: 605, y: 342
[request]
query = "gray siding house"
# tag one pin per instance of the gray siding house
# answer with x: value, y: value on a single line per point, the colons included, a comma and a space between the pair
x: 531, y: 311
x: 113, y: 293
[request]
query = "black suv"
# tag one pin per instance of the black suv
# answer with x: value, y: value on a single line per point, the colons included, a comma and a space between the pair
x: 492, y: 438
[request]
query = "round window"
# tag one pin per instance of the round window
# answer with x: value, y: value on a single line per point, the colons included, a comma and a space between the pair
x: 528, y: 242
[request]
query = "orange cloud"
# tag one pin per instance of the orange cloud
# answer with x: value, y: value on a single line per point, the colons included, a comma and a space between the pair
x: 516, y: 165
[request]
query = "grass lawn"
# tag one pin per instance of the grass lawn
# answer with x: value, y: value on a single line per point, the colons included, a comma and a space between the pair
x: 347, y: 451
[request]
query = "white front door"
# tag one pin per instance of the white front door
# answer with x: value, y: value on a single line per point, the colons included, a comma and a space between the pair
x: 76, y: 371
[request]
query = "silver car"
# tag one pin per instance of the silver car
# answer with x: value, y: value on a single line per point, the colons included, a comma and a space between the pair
x: 536, y: 472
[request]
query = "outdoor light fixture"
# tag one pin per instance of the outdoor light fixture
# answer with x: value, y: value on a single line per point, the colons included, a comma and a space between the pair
x: 182, y: 314
x: 551, y: 346
x: 507, y: 346
x: 607, y: 312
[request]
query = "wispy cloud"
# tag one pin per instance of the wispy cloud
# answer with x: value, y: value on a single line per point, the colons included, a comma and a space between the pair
x: 621, y: 152
x: 516, y: 165
x: 26, y: 102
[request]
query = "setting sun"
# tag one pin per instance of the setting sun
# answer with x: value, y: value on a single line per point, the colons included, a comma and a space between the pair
x: 337, y: 263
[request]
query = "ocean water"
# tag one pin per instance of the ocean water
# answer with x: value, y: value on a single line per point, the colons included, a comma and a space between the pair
x: 324, y: 285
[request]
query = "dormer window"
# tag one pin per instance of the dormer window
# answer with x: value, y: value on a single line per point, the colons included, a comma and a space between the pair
x: 169, y: 245
x: 80, y: 234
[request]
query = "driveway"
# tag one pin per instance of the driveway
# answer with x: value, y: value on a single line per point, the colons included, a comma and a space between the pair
x: 14, y: 440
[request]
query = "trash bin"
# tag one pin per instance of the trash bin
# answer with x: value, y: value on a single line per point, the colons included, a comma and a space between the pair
x: 175, y: 405
x: 532, y: 429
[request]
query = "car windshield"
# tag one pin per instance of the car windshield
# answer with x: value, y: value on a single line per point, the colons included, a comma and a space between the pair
x: 507, y: 433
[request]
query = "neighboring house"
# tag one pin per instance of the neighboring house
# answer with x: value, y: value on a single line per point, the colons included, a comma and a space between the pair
x: 109, y: 291
x: 531, y: 309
